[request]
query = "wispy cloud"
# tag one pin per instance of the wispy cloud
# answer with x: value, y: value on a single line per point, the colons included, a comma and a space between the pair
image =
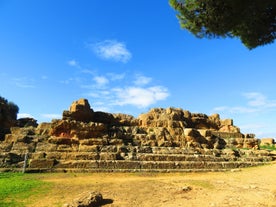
x: 139, y: 92
x: 76, y: 80
x: 73, y: 63
x: 259, y: 100
x: 24, y: 82
x: 235, y: 109
x: 24, y: 115
x: 142, y: 80
x: 114, y: 90
x: 139, y: 96
x: 256, y: 102
x: 261, y: 129
x: 101, y: 81
x: 116, y: 76
x: 90, y: 72
x: 111, y: 50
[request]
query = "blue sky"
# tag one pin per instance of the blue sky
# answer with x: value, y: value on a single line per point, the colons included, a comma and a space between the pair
x: 129, y: 56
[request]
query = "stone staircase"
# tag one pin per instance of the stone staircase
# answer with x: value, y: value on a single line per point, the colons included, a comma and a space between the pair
x: 138, y: 159
x: 113, y: 154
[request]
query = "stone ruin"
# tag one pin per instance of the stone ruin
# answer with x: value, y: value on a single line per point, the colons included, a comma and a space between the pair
x: 162, y: 140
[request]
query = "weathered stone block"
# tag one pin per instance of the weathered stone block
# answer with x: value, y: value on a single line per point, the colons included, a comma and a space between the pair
x: 42, y: 163
x: 226, y: 122
x: 205, y: 132
x: 45, y: 147
x: 267, y: 142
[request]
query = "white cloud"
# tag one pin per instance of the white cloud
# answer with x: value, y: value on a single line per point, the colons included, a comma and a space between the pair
x: 256, y: 102
x: 142, y: 80
x: 260, y: 129
x: 90, y: 72
x: 259, y: 100
x: 112, y: 50
x: 140, y: 97
x: 73, y: 63
x: 101, y: 81
x: 93, y: 94
x: 23, y: 82
x: 24, y: 115
x: 235, y: 110
x: 76, y: 80
x: 115, y: 77
x: 51, y: 116
x: 255, y: 99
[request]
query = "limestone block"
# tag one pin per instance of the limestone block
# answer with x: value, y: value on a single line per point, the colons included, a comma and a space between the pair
x: 226, y: 122
x: 189, y: 132
x: 267, y: 142
x: 108, y: 156
x: 45, y: 147
x: 250, y: 143
x: 205, y: 132
x: 89, y: 148
x: 42, y: 163
x: 229, y: 128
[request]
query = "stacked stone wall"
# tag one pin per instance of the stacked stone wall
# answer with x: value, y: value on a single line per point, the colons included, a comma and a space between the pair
x: 162, y: 140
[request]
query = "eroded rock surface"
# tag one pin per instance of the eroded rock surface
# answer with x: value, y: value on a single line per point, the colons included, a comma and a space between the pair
x: 172, y: 138
x: 87, y: 199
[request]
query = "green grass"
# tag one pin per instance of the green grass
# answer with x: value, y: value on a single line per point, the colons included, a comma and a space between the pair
x: 16, y: 188
x: 268, y: 147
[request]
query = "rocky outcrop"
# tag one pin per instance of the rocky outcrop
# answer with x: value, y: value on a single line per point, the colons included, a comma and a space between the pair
x: 177, y: 127
x: 179, y: 118
x: 26, y: 122
x: 80, y: 110
x: 162, y: 139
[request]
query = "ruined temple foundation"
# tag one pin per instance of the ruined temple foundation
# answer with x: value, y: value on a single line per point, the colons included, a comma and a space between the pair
x: 162, y: 140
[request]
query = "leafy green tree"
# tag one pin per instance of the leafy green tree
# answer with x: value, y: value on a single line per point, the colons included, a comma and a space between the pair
x: 252, y: 21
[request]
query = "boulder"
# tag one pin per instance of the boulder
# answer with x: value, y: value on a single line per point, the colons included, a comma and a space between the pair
x: 87, y: 199
x: 26, y: 122
x: 80, y: 111
x: 229, y: 128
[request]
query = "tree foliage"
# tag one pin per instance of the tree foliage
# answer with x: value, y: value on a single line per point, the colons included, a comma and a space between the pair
x: 8, y: 112
x: 252, y: 21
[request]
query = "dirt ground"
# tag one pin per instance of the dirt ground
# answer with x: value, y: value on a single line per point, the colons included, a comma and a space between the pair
x: 251, y: 187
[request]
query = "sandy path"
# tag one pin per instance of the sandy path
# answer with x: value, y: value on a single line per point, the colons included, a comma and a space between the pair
x: 253, y: 187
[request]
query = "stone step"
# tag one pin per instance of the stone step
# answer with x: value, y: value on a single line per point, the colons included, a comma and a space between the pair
x: 136, y: 165
x: 94, y: 170
x: 144, y: 157
x: 257, y: 159
x: 172, y: 150
x: 117, y: 156
x: 178, y: 157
